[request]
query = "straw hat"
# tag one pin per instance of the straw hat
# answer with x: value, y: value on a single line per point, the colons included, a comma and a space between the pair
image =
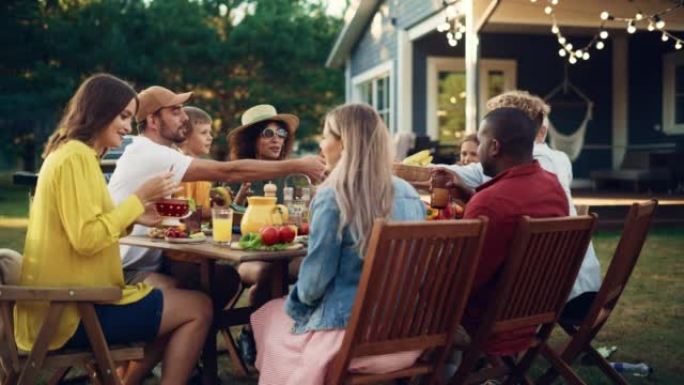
x: 263, y: 112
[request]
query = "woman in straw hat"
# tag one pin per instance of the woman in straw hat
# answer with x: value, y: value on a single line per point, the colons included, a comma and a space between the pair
x: 265, y: 135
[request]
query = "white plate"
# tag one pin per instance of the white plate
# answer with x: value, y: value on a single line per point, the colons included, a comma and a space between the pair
x: 185, y: 240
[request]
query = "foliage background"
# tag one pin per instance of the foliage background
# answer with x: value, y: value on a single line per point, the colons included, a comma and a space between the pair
x: 232, y: 53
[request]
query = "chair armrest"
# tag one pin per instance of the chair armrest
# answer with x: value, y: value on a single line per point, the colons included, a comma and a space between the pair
x: 60, y: 294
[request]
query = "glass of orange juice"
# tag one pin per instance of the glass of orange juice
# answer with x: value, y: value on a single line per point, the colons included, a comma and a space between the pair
x: 222, y: 225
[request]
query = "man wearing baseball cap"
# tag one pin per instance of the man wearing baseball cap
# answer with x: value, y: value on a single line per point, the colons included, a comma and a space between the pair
x: 161, y: 122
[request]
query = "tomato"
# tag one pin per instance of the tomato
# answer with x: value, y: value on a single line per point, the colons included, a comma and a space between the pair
x: 286, y: 234
x: 269, y: 235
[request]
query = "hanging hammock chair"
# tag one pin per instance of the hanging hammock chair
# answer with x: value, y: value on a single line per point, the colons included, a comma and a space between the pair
x: 570, y: 144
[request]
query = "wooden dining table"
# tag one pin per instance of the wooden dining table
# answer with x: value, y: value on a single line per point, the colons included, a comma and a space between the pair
x: 207, y: 254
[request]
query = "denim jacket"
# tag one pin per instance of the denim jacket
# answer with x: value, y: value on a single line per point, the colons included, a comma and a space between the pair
x: 324, y: 294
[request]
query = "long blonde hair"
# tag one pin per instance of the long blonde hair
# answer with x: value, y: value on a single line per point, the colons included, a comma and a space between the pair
x: 362, y: 178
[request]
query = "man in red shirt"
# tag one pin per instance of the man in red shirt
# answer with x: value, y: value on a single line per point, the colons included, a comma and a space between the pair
x: 519, y: 187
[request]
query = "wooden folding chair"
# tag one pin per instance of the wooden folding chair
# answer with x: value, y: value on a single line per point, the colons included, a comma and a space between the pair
x: 23, y: 367
x: 413, y: 289
x: 534, y: 284
x: 582, y: 332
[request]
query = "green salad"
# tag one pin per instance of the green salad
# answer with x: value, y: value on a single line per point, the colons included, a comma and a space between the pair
x: 252, y: 241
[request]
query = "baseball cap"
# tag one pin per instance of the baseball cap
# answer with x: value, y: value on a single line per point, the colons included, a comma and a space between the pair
x: 156, y: 97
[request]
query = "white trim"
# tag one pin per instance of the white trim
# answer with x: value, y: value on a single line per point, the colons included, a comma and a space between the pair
x: 381, y: 70
x: 450, y: 63
x: 404, y: 91
x: 374, y: 72
x: 428, y: 25
x: 620, y: 97
x: 472, y: 64
x: 347, y: 81
x: 670, y: 61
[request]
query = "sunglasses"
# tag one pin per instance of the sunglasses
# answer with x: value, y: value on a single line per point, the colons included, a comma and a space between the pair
x: 269, y: 132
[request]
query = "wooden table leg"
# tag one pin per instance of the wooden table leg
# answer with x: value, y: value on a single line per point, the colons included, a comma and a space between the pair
x: 209, y: 354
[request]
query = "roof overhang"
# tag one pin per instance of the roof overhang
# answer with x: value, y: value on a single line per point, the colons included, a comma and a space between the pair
x: 352, y: 32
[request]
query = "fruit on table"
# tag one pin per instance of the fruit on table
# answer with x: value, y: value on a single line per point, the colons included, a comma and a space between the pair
x: 420, y: 158
x: 175, y: 232
x: 221, y: 196
x: 286, y: 234
x: 269, y: 235
x: 303, y: 228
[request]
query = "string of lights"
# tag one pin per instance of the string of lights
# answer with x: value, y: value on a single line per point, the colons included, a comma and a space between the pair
x: 574, y: 54
x: 452, y: 25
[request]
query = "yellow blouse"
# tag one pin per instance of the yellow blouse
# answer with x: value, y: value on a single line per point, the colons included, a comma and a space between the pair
x: 199, y: 191
x: 72, y: 239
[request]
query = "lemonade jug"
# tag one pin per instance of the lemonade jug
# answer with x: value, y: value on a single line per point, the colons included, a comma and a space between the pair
x: 262, y: 211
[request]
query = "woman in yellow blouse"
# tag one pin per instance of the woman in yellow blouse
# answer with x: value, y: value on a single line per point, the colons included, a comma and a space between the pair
x: 73, y: 235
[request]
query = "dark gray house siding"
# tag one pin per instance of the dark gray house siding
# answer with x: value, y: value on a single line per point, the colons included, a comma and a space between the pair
x: 410, y: 12
x: 369, y: 51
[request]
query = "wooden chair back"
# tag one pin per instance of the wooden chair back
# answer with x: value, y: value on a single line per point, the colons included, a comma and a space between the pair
x: 23, y: 368
x: 546, y: 255
x: 412, y: 293
x: 534, y: 284
x: 637, y: 225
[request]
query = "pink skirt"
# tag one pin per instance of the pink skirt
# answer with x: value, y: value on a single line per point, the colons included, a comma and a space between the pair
x: 284, y: 358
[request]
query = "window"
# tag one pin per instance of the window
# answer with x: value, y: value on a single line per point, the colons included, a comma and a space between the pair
x: 673, y: 93
x: 374, y: 87
x: 446, y: 99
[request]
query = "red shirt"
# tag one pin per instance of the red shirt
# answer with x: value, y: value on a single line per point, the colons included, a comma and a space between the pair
x: 521, y: 190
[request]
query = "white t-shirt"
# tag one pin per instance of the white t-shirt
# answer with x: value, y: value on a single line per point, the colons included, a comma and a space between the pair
x: 556, y: 162
x: 142, y: 160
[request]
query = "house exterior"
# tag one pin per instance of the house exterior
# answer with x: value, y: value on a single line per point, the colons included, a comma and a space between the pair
x: 396, y: 60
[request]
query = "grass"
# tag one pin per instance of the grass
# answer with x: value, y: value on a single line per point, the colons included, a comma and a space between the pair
x: 646, y: 326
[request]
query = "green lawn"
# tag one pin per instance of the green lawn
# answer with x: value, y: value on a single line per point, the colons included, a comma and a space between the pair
x: 646, y: 326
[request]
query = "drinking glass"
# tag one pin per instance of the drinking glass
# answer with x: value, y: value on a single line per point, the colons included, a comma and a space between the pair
x: 222, y: 224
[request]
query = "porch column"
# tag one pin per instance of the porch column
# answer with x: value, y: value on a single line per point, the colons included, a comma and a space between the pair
x: 620, y: 97
x: 472, y: 60
x: 404, y: 82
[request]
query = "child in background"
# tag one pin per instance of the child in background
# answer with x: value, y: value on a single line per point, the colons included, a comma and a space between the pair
x: 468, y: 152
x: 197, y: 144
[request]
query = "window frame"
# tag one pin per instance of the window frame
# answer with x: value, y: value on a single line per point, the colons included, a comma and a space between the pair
x: 382, y: 71
x: 435, y: 64
x: 670, y: 62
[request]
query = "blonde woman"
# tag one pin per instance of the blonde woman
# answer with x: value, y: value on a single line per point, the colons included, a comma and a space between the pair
x: 298, y: 337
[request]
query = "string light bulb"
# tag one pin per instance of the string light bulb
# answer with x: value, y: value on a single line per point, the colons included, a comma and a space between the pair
x: 664, y: 37
x: 605, y: 15
x: 561, y: 40
x: 562, y: 52
x: 600, y: 45
x: 586, y: 55
x: 554, y: 2
x: 548, y: 10
x: 555, y: 29
x: 650, y: 27
x: 630, y: 27
x: 678, y: 45
x: 572, y: 60
x: 638, y: 16
x: 659, y: 23
x: 603, y: 34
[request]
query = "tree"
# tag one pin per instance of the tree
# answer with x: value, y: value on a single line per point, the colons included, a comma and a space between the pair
x: 275, y: 55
